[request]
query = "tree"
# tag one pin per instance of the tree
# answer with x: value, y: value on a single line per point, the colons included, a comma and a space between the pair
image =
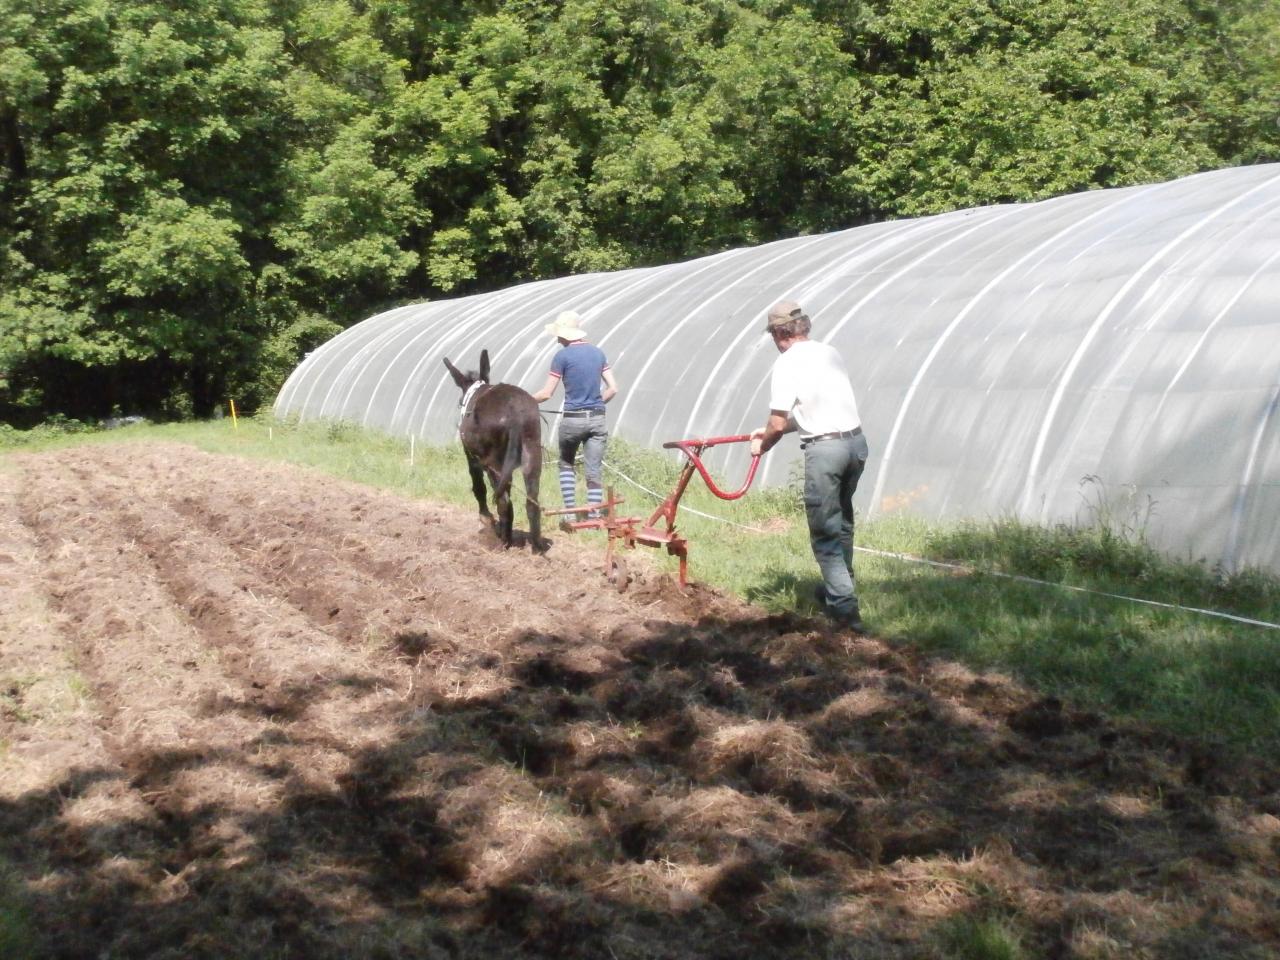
x: 150, y: 148
x: 978, y: 102
x: 193, y: 194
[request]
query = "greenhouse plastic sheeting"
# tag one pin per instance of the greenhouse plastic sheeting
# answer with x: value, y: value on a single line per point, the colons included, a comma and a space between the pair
x: 1104, y: 357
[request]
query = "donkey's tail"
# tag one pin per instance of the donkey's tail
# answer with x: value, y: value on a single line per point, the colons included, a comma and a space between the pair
x: 510, y: 461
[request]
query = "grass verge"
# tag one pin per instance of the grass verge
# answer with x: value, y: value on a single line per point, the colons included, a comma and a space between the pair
x: 1183, y: 671
x: 17, y: 935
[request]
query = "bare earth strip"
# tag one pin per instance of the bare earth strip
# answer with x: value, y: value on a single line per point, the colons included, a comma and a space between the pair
x: 250, y: 711
x: 47, y: 718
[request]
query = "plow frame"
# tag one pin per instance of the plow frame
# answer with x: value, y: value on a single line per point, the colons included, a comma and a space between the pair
x: 625, y: 532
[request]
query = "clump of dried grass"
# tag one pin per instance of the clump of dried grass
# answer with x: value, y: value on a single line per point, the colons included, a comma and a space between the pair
x: 774, y: 752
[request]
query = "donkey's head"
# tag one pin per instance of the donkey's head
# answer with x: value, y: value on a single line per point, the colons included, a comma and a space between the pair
x: 466, y: 381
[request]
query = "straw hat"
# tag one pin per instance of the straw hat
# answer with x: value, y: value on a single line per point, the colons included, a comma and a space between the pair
x: 568, y: 326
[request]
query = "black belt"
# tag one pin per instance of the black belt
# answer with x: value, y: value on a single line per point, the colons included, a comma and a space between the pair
x: 594, y: 412
x: 834, y: 435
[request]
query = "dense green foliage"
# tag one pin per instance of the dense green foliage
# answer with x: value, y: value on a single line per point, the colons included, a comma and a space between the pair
x: 194, y: 194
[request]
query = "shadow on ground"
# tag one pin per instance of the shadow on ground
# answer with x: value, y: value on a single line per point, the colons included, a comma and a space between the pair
x: 727, y: 788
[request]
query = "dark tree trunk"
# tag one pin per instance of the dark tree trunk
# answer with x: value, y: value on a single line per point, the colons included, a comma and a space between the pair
x: 13, y: 154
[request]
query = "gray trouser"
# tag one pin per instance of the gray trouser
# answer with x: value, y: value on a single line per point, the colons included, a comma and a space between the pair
x: 591, y: 435
x: 832, y: 469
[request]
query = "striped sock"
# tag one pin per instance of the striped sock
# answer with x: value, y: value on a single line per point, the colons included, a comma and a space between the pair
x: 567, y: 485
x: 595, y: 496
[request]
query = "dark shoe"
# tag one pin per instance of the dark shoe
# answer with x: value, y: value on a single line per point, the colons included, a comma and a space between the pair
x: 841, y: 621
x: 844, y: 621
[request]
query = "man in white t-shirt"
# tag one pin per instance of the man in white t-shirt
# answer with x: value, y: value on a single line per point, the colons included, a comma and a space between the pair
x: 810, y: 392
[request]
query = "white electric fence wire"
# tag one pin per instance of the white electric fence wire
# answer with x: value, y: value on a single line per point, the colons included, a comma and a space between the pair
x: 1066, y: 586
x: 908, y: 558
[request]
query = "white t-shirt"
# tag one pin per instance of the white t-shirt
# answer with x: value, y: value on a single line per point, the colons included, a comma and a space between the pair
x: 811, y: 382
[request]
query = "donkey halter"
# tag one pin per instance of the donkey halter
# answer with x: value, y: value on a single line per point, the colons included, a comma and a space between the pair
x: 464, y: 406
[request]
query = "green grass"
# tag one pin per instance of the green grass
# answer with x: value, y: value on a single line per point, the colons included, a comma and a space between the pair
x: 17, y: 936
x: 979, y: 938
x: 1183, y: 671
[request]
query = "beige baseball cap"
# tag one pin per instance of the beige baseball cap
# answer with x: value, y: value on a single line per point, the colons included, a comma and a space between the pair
x: 783, y: 312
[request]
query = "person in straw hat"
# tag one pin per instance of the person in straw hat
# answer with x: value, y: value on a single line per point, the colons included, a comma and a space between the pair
x: 810, y: 392
x: 582, y: 368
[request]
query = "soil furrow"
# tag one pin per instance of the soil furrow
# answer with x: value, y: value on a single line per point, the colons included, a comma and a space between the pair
x: 153, y: 675
x: 165, y: 787
x: 394, y: 540
x: 100, y: 582
x: 47, y: 716
x: 355, y: 583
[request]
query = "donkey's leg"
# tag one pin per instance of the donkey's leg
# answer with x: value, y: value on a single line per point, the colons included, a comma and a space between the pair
x: 506, y: 521
x: 531, y: 467
x: 477, y: 485
x: 508, y: 518
x: 501, y: 506
x: 502, y: 485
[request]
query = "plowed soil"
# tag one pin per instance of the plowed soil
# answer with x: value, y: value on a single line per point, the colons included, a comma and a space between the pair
x: 251, y: 711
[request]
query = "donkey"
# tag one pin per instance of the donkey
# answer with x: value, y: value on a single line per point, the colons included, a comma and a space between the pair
x: 501, y: 429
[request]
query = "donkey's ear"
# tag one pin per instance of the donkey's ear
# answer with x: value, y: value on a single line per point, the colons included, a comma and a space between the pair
x: 458, y: 377
x: 484, y: 365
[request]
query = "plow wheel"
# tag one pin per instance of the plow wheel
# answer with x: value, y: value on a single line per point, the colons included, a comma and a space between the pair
x: 617, y: 574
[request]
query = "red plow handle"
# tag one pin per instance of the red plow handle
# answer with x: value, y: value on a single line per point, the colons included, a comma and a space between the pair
x: 692, y: 448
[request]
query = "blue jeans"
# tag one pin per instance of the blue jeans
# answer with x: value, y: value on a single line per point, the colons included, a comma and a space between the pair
x: 832, y: 469
x: 592, y: 436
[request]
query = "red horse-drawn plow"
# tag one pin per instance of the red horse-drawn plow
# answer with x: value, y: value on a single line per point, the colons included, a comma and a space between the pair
x: 659, y: 530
